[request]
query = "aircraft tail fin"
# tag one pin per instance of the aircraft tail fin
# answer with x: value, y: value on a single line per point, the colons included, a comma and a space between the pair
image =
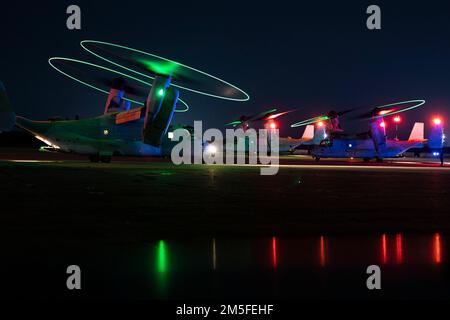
x: 417, y: 132
x: 7, y: 115
x: 308, y: 134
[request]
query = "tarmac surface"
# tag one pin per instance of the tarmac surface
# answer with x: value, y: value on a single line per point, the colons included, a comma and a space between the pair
x: 147, y: 229
x: 52, y: 197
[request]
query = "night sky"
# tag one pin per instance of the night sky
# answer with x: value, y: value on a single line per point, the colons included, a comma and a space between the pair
x: 315, y: 57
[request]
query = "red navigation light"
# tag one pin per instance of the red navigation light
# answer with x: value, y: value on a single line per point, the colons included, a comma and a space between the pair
x: 271, y: 125
x: 382, y: 124
x: 320, y: 124
x: 437, y: 121
x: 397, y: 119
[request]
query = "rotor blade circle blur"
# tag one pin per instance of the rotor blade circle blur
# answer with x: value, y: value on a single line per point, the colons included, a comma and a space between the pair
x: 149, y: 65
x: 97, y: 77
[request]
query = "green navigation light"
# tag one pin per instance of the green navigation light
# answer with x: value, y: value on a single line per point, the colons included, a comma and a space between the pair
x: 160, y: 92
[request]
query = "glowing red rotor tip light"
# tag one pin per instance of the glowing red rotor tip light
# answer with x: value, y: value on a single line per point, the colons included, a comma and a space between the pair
x: 382, y: 124
x: 437, y: 121
x: 384, y: 112
x: 273, y: 125
x: 320, y: 124
x: 397, y: 119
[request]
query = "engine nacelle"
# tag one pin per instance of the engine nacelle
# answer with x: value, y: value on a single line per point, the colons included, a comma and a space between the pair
x: 378, y: 133
x: 157, y: 124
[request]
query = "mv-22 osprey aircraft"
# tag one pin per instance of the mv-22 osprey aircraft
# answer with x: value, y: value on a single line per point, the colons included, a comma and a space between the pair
x: 121, y: 130
x: 269, y: 117
x: 137, y: 132
x: 330, y: 140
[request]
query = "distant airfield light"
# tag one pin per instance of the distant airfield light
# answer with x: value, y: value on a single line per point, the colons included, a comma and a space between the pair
x: 170, y: 135
x: 437, y: 121
x: 350, y: 145
x: 397, y: 119
x: 105, y: 132
x: 436, y: 154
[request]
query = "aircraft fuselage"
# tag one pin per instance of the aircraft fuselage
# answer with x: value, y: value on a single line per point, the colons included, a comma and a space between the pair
x: 361, y: 148
x: 99, y: 135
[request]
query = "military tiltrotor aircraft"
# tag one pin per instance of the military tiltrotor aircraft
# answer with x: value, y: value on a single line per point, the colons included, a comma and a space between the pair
x: 121, y: 130
x: 331, y: 141
x: 268, y: 117
x: 136, y: 132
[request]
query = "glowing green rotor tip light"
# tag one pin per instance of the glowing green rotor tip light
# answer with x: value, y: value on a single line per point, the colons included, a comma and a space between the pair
x: 160, y: 92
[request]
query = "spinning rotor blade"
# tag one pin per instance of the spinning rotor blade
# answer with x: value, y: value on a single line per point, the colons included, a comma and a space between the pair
x: 153, y: 68
x: 120, y: 84
x: 260, y: 116
x: 331, y: 115
x: 276, y: 115
x: 254, y: 117
x: 390, y: 109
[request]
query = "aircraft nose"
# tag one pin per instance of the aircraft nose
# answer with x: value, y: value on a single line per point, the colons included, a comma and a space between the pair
x: 35, y: 127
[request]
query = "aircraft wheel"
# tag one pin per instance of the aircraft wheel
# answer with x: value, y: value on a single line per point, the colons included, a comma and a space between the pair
x: 317, y: 159
x: 379, y: 159
x: 366, y: 159
x: 105, y: 159
x: 94, y: 158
